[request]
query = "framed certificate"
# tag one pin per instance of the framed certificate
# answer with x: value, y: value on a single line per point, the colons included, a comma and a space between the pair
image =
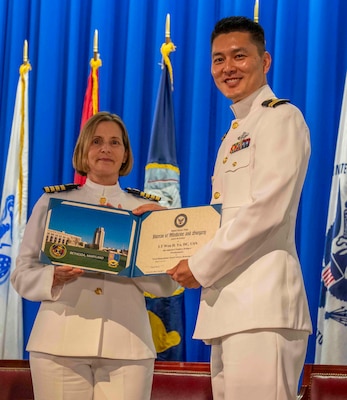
x: 115, y: 241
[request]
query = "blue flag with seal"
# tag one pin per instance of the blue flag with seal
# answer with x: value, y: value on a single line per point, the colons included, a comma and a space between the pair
x: 13, y: 221
x: 166, y: 316
x: 162, y: 179
x: 162, y: 175
x: 331, y: 341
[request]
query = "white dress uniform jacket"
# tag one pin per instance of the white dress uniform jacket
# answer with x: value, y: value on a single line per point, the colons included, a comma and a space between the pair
x: 98, y: 315
x: 250, y: 271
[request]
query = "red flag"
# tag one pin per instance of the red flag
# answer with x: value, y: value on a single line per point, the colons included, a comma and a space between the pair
x: 90, y: 103
x: 87, y: 110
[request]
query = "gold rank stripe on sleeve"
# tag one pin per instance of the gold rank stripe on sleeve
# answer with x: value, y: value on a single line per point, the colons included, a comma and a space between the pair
x: 60, y: 188
x: 273, y: 103
x: 139, y: 193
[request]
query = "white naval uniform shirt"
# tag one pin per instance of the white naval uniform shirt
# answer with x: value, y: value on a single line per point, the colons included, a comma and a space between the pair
x: 97, y: 315
x: 250, y: 271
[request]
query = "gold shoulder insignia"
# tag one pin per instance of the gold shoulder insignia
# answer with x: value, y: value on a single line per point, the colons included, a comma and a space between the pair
x: 274, y: 102
x: 60, y: 188
x: 139, y: 193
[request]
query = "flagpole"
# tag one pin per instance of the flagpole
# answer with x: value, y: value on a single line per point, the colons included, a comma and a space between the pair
x: 95, y: 44
x: 167, y: 48
x: 13, y: 211
x: 25, y: 52
x: 256, y: 11
x: 162, y: 178
x: 167, y: 29
x: 91, y: 96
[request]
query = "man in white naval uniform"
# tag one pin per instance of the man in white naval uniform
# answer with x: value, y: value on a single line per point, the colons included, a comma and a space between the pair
x: 253, y: 308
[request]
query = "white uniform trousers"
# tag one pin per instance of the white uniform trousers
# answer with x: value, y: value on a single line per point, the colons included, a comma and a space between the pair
x: 258, y: 364
x: 83, y: 378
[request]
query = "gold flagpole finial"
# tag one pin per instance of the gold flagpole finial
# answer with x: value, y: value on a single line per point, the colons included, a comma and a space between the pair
x: 167, y: 29
x: 95, y: 45
x: 25, y: 52
x: 167, y: 47
x: 256, y: 11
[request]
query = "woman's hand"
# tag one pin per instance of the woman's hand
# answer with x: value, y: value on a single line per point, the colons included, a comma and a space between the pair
x: 65, y: 274
x: 148, y: 207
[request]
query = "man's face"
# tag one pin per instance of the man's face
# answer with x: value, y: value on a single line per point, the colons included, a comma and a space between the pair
x: 237, y: 68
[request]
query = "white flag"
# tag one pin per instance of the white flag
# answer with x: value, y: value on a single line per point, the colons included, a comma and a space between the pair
x: 12, y: 223
x: 331, y: 342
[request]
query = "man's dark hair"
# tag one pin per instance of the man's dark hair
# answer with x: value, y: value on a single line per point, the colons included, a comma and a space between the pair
x: 241, y: 24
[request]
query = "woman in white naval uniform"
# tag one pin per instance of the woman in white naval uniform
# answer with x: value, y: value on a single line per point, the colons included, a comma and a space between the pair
x: 91, y: 338
x: 253, y: 307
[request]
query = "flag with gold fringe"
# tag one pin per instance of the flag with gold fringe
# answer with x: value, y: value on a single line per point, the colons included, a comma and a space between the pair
x: 91, y: 97
x: 162, y: 178
x: 162, y: 174
x: 14, y: 202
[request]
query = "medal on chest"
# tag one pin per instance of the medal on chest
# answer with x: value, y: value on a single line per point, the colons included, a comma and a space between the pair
x: 103, y: 198
x: 103, y: 201
x: 242, y: 143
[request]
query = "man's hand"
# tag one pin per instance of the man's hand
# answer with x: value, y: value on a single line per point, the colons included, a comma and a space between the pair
x: 183, y: 275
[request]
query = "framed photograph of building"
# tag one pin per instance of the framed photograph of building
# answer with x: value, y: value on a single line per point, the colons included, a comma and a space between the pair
x: 86, y: 236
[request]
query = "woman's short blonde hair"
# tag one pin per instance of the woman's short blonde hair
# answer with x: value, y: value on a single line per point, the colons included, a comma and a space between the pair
x: 80, y: 155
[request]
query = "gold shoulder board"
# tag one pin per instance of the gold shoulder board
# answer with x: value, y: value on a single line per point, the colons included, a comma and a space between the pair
x: 274, y: 102
x: 139, y: 193
x: 60, y: 188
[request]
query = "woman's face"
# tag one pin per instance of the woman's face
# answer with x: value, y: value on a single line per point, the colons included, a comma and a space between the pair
x: 106, y: 154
